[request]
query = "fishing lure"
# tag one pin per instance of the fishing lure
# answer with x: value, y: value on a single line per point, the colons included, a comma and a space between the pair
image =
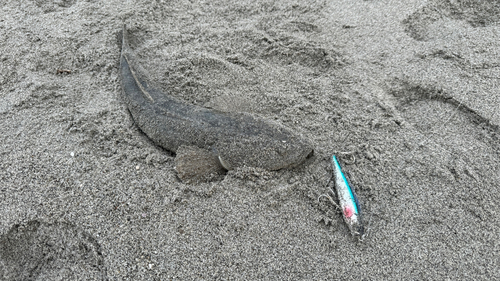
x: 348, y: 200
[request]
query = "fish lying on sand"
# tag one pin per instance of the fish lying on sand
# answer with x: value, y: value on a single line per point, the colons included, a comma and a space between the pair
x: 238, y: 139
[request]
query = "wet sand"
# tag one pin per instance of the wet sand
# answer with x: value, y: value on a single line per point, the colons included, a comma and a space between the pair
x: 410, y: 91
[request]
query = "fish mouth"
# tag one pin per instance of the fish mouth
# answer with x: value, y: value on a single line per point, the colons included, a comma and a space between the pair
x: 225, y: 164
x: 311, y: 154
x: 301, y: 155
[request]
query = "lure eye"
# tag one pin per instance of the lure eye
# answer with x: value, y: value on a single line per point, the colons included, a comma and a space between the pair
x: 348, y: 212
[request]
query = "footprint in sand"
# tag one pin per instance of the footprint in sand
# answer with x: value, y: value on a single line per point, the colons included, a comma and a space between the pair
x: 50, y: 251
x: 449, y: 125
x: 474, y: 13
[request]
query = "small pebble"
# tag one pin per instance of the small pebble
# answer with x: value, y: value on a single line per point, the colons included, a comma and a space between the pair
x: 369, y: 155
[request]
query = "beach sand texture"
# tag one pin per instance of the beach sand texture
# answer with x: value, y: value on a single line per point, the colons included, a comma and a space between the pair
x: 410, y: 90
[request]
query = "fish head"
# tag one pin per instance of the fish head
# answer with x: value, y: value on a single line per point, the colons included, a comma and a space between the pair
x: 267, y: 153
x: 287, y: 153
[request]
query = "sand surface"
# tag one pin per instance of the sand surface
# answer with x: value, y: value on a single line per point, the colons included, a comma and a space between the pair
x: 408, y: 89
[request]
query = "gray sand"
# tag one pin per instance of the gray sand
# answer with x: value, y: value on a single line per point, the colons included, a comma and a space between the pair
x: 411, y: 90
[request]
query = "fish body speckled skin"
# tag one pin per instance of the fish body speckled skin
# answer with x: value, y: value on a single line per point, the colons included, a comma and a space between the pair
x: 239, y: 139
x: 348, y: 200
